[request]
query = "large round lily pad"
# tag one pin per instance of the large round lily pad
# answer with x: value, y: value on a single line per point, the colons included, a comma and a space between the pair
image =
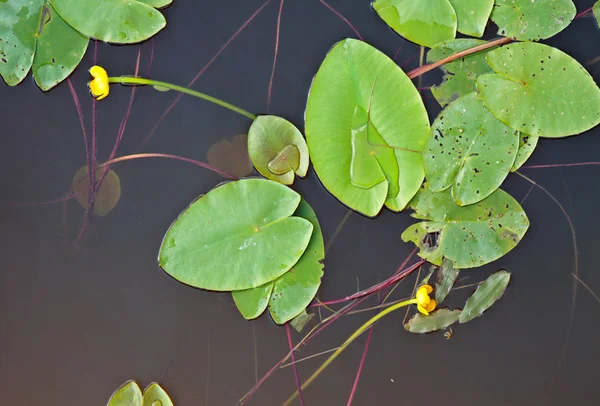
x: 469, y: 150
x: 540, y: 90
x: 425, y: 22
x: 366, y: 127
x: 472, y: 15
x: 469, y: 236
x: 238, y: 236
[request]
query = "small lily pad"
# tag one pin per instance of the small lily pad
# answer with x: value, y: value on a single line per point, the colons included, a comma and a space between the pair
x: 129, y: 394
x: 231, y: 156
x: 527, y: 144
x: 437, y: 320
x: 596, y: 10
x: 485, y: 296
x: 107, y: 196
x: 155, y: 395
x: 448, y: 275
x: 472, y: 15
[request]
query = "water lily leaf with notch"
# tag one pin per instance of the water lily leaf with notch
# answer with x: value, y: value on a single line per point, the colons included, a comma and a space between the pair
x: 472, y: 15
x: 527, y: 20
x: 116, y: 21
x: 540, y: 90
x: 425, y: 22
x: 292, y: 292
x: 527, y: 144
x: 354, y: 79
x: 129, y: 394
x: 485, y: 296
x: 460, y: 76
x: 155, y: 395
x: 438, y: 320
x: 238, y: 236
x: 277, y: 149
x: 33, y: 34
x: 448, y: 275
x: 470, y: 236
x: 469, y: 150
x: 107, y: 196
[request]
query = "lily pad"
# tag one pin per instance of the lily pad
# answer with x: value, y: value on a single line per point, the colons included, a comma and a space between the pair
x: 277, y: 149
x: 116, y: 21
x: 596, y: 10
x: 155, y: 395
x: 107, y: 196
x: 362, y: 105
x: 540, y: 90
x: 527, y: 20
x: 231, y: 156
x: 460, y: 76
x: 472, y: 15
x: 292, y: 292
x: 448, y: 275
x: 527, y: 144
x: 238, y: 236
x: 469, y: 150
x: 425, y: 22
x: 485, y: 296
x: 157, y: 3
x: 33, y: 34
x: 469, y: 236
x: 129, y: 394
x: 438, y: 320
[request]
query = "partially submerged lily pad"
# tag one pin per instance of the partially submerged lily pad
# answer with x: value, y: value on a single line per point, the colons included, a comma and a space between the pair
x: 301, y: 320
x: 107, y: 196
x: 470, y: 236
x: 437, y: 320
x: 231, y: 156
x: 129, y: 394
x: 277, y: 149
x: 527, y: 144
x: 596, y: 10
x: 472, y: 15
x: 425, y: 22
x: 238, y: 236
x: 527, y: 20
x: 485, y: 296
x: 155, y: 395
x: 540, y: 90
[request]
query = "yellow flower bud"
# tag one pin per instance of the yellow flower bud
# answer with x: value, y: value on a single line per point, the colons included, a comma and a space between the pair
x: 99, y: 86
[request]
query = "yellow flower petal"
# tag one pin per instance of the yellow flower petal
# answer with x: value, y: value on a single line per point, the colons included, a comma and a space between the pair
x: 423, y: 296
x: 422, y: 310
x: 99, y: 72
x: 427, y: 288
x: 431, y: 306
x: 99, y: 87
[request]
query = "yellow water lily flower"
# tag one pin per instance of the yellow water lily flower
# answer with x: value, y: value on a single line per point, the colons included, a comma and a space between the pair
x: 99, y: 86
x: 425, y: 304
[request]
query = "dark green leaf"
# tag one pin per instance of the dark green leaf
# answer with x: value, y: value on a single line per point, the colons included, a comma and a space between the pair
x: 472, y: 15
x: 486, y: 295
x: 448, y: 276
x: 437, y: 320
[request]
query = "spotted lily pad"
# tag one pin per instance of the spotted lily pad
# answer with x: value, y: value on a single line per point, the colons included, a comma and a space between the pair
x: 361, y: 108
x: 292, y: 292
x: 129, y: 394
x: 238, y: 236
x: 527, y: 144
x: 116, y: 21
x: 107, y: 196
x: 472, y: 15
x: 469, y: 236
x: 33, y: 34
x: 485, y: 296
x: 540, y: 90
x: 231, y: 156
x: 425, y: 22
x: 277, y: 149
x: 438, y: 320
x: 460, y: 76
x: 155, y: 395
x: 527, y: 20
x: 469, y: 150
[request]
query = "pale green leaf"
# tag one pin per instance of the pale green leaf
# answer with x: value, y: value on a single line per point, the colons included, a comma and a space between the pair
x: 596, y: 10
x: 107, y: 196
x: 155, y: 395
x: 435, y: 321
x: 253, y: 302
x: 157, y: 3
x: 129, y: 394
x: 448, y: 274
x: 301, y: 320
x: 486, y: 295
x: 472, y: 15
x: 527, y: 144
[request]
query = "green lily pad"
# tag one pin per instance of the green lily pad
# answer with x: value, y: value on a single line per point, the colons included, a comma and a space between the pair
x: 360, y: 106
x: 527, y: 144
x: 540, y: 90
x: 231, y: 156
x: 107, y: 196
x: 425, y: 22
x: 129, y: 394
x: 527, y: 20
x: 437, y: 320
x: 469, y: 150
x: 33, y: 34
x: 448, y: 275
x: 238, y: 236
x: 155, y: 395
x: 470, y: 236
x: 460, y: 76
x: 116, y: 21
x: 157, y: 3
x: 292, y: 292
x: 472, y: 15
x: 277, y: 149
x: 596, y: 10
x: 485, y: 296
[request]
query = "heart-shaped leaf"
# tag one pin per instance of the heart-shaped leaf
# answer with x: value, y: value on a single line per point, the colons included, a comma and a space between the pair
x: 277, y: 149
x: 107, y: 196
x: 238, y: 236
x: 527, y: 20
x: 292, y: 292
x: 129, y: 394
x: 469, y: 150
x: 425, y: 22
x: 485, y: 296
x: 361, y: 107
x: 155, y: 395
x: 33, y: 34
x: 448, y: 274
x: 472, y: 15
x: 527, y: 144
x: 231, y: 156
x: 470, y: 236
x: 540, y: 90
x: 435, y: 321
x: 116, y: 21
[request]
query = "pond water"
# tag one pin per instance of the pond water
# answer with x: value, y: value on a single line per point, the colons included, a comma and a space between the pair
x: 76, y: 322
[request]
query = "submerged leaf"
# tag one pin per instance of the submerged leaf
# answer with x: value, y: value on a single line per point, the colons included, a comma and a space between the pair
x: 527, y: 20
x: 470, y: 236
x: 277, y: 149
x: 425, y: 22
x: 448, y: 276
x: 129, y: 394
x: 472, y: 15
x: 469, y: 150
x: 301, y: 320
x: 107, y: 196
x: 485, y: 296
x: 155, y: 395
x: 540, y: 90
x: 361, y: 108
x: 238, y: 236
x: 527, y: 144
x: 231, y: 157
x: 596, y: 10
x: 438, y: 320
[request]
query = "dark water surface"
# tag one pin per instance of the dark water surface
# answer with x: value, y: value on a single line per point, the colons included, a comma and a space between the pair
x: 76, y: 323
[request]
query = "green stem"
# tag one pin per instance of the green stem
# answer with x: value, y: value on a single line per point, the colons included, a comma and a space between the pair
x: 346, y: 343
x: 129, y: 80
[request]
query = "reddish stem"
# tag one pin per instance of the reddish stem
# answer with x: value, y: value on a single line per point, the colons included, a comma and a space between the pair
x: 584, y: 12
x: 360, y: 367
x: 270, y: 88
x: 293, y: 357
x: 337, y: 13
x: 561, y: 165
